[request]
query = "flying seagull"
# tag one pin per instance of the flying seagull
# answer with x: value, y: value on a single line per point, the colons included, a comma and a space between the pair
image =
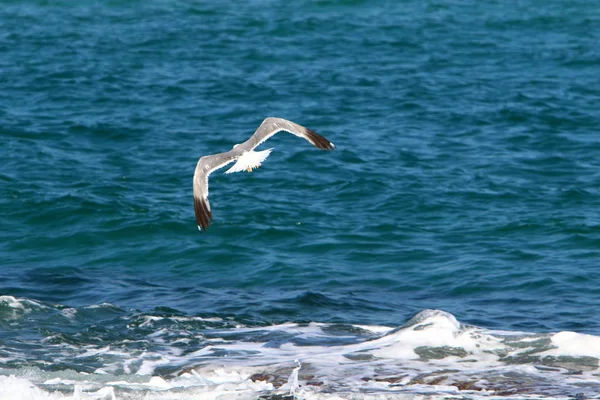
x: 246, y: 160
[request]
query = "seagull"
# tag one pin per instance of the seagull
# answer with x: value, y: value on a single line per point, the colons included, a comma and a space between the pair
x: 246, y: 160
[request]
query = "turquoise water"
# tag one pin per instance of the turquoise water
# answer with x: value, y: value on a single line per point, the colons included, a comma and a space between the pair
x: 465, y: 179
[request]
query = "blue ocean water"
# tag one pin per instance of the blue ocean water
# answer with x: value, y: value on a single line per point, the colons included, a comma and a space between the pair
x: 465, y: 179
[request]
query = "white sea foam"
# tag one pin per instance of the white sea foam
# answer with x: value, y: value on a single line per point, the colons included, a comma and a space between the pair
x: 292, y: 383
x: 149, y: 320
x: 19, y: 306
x: 374, y: 329
x: 575, y: 344
x: 432, y: 355
x: 102, y: 305
x: 69, y: 313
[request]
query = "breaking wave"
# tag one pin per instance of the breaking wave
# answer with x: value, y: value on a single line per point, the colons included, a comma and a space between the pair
x: 104, y: 352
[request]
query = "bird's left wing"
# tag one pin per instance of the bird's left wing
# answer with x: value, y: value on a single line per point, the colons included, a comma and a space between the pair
x: 206, y: 165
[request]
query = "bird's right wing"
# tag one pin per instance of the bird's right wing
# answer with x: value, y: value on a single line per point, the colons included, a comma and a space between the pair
x: 270, y: 126
x: 206, y: 165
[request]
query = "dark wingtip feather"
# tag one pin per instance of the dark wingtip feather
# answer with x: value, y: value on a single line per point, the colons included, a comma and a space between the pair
x: 203, y: 214
x: 319, y: 141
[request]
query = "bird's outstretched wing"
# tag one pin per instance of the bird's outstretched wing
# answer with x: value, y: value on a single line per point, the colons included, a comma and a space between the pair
x: 206, y: 165
x: 270, y: 126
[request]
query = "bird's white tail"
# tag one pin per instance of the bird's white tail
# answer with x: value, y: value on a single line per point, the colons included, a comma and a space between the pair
x: 249, y: 160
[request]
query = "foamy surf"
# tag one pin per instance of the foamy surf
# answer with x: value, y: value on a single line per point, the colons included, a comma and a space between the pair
x: 147, y: 356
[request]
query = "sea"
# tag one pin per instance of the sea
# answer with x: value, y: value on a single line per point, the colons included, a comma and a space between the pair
x: 448, y: 248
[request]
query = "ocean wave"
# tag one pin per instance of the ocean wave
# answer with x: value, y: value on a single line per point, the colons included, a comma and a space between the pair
x: 167, y: 354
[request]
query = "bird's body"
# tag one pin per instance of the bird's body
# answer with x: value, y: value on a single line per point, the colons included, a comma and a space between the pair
x: 247, y: 159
